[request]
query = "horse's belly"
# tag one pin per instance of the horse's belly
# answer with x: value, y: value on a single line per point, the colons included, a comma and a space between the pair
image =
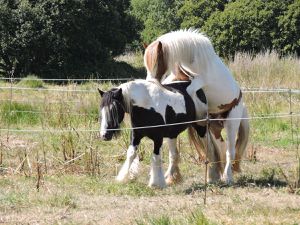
x: 219, y: 90
x: 216, y: 98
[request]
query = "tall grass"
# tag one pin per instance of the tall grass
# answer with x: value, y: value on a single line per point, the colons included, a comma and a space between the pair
x: 18, y: 113
x: 31, y: 81
x: 266, y: 70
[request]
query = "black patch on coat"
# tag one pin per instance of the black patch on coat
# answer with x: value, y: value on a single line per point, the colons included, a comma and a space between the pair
x: 201, y: 130
x: 178, y: 87
x: 141, y: 117
x: 200, y: 94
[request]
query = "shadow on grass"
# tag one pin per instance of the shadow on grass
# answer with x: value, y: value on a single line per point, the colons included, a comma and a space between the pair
x: 115, y: 69
x: 268, y: 180
x: 264, y: 181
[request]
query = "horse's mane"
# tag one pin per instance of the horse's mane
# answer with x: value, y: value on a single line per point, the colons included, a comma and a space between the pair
x: 187, y: 46
x: 126, y: 95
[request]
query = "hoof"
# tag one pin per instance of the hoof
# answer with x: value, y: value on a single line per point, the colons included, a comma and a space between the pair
x: 121, y: 180
x: 173, y: 179
x: 228, y: 181
x: 158, y: 186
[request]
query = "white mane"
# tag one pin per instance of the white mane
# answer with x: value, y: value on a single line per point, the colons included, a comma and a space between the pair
x: 148, y: 94
x: 188, y: 47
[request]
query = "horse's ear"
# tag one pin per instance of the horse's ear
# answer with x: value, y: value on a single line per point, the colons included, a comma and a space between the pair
x: 118, y: 93
x: 101, y: 92
x: 145, y: 45
x: 159, y: 46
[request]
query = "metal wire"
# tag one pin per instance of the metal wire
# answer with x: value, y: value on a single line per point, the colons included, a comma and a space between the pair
x: 154, y: 126
x: 244, y: 90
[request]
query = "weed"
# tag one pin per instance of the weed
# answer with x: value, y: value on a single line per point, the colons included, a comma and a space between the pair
x: 198, y: 218
x: 194, y: 218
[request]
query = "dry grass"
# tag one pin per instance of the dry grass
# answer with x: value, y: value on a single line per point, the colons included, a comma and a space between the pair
x: 76, y: 170
x: 266, y: 70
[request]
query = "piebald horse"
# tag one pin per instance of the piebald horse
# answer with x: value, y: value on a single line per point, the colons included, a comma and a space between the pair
x: 191, y: 53
x: 151, y: 109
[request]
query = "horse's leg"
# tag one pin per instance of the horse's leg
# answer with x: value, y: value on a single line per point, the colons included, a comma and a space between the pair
x: 232, y: 126
x: 173, y: 174
x: 157, y: 178
x: 125, y: 172
x: 242, y: 140
x: 213, y: 172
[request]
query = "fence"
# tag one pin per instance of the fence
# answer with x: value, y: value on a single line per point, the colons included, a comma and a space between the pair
x: 61, y: 97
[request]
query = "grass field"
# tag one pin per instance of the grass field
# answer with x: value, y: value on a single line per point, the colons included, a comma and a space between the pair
x: 61, y: 173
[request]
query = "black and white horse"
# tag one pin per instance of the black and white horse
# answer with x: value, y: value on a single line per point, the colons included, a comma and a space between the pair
x: 151, y: 107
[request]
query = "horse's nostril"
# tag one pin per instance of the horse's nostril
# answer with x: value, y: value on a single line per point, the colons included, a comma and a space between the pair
x: 106, y: 137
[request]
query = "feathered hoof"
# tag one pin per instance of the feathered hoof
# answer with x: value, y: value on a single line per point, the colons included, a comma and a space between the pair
x: 173, y: 179
x: 122, y: 178
x: 157, y: 186
x: 228, y: 181
x: 236, y: 167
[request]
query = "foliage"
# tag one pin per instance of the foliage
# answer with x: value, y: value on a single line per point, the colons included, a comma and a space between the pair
x: 194, y: 13
x: 60, y: 37
x: 234, y: 26
x: 245, y: 25
x: 158, y: 17
x: 289, y: 24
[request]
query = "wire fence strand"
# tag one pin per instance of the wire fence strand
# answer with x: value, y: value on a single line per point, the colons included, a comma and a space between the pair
x: 287, y: 115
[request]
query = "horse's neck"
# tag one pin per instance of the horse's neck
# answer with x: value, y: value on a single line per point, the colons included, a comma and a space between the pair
x: 149, y: 94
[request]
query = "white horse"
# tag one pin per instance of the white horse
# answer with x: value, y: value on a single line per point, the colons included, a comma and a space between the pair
x: 191, y: 53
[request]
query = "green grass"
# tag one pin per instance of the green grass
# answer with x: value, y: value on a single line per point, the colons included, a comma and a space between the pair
x: 10, y: 113
x: 194, y: 218
x: 31, y: 81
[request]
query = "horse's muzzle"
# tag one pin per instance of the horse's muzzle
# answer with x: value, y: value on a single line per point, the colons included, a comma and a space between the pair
x: 106, y: 136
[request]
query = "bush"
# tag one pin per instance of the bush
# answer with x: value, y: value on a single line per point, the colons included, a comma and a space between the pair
x: 31, y: 81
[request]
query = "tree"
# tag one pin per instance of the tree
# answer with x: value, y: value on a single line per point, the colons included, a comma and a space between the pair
x: 245, y: 25
x: 62, y: 37
x: 157, y: 16
x: 194, y: 13
x: 288, y: 40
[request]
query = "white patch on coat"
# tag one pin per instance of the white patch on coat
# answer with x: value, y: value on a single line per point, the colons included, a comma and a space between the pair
x: 103, y: 127
x: 157, y: 178
x: 124, y: 173
x: 148, y: 94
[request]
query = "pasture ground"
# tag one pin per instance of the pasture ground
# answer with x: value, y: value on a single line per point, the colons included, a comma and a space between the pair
x: 261, y: 195
x: 50, y: 176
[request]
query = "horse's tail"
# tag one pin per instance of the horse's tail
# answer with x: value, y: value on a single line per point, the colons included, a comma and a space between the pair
x: 214, y: 153
x: 242, y: 140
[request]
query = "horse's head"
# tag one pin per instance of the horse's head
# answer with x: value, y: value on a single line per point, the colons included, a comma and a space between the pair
x: 112, y: 112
